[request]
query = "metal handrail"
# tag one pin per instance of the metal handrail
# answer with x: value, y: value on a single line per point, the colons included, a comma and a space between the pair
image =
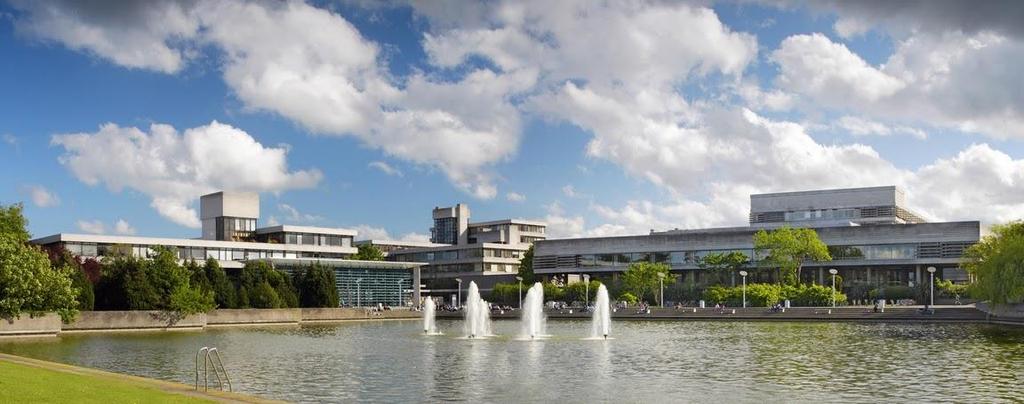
x: 220, y: 362
x: 208, y: 359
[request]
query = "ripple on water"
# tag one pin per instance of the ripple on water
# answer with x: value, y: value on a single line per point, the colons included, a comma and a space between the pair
x: 646, y: 361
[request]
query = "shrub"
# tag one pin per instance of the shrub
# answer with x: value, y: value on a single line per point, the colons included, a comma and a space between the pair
x: 552, y: 292
x: 628, y: 298
x: 505, y: 293
x: 577, y: 292
x: 892, y: 293
x: 764, y: 295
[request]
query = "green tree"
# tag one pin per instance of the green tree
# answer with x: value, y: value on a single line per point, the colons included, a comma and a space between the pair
x: 642, y: 279
x: 13, y: 222
x: 722, y: 265
x: 628, y: 298
x: 577, y: 292
x: 996, y: 263
x: 526, y: 267
x: 28, y: 281
x: 263, y: 296
x: 28, y: 284
x: 552, y: 292
x: 256, y: 289
x: 316, y: 287
x: 224, y: 294
x: 506, y: 293
x: 368, y: 252
x: 787, y: 249
x: 59, y: 257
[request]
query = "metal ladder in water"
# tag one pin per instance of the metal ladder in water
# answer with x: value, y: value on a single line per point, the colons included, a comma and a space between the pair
x: 211, y: 356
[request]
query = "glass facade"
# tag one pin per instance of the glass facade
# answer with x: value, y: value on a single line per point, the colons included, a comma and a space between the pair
x: 307, y: 239
x: 874, y: 252
x: 235, y: 228
x: 445, y: 231
x: 186, y: 253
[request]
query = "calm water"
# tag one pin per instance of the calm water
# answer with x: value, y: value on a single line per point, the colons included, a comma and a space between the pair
x: 646, y: 362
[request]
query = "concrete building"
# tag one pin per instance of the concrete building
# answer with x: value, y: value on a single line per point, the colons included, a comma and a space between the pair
x: 873, y: 237
x: 484, y: 252
x: 231, y: 236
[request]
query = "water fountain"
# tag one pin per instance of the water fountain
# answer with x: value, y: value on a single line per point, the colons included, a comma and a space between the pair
x: 533, y: 312
x: 429, y: 315
x: 602, y: 319
x: 478, y: 316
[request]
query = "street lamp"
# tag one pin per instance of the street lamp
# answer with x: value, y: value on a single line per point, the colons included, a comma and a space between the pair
x: 744, y: 275
x: 359, y: 303
x: 931, y: 274
x: 459, y: 303
x: 586, y: 298
x: 833, y: 271
x: 661, y: 282
x: 520, y: 279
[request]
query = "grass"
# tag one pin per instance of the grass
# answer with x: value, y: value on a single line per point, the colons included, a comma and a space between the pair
x: 24, y: 383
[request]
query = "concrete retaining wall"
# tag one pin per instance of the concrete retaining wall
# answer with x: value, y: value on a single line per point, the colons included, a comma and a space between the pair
x: 253, y: 316
x: 1012, y: 311
x: 86, y: 321
x: 343, y: 314
x: 132, y: 320
x: 48, y: 324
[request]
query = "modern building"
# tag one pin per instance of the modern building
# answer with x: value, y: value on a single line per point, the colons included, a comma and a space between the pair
x: 231, y: 236
x: 873, y: 237
x: 483, y: 252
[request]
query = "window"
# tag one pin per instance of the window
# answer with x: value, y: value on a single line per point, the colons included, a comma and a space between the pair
x: 662, y: 257
x: 89, y: 250
x: 605, y: 260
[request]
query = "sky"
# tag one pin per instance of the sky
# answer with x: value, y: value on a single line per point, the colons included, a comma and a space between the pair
x: 600, y: 118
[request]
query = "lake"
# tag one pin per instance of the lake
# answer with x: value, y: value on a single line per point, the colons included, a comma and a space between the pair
x: 646, y: 361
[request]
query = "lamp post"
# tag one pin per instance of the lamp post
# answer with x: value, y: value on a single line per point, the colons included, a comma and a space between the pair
x: 744, y: 275
x: 458, y: 304
x: 661, y: 283
x: 833, y: 271
x: 586, y: 297
x: 931, y: 293
x: 359, y: 302
x: 520, y: 279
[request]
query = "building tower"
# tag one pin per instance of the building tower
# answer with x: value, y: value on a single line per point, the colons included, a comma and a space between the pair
x: 451, y: 225
x: 229, y: 216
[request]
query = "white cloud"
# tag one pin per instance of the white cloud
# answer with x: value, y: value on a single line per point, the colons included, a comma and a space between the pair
x: 122, y: 227
x: 10, y: 139
x: 92, y: 226
x: 561, y: 225
x: 386, y: 168
x: 134, y: 34
x: 865, y: 127
x: 569, y: 191
x: 368, y: 232
x: 951, y: 79
x: 417, y: 237
x: 174, y: 168
x: 42, y: 197
x: 814, y: 65
x: 294, y: 216
x: 515, y: 197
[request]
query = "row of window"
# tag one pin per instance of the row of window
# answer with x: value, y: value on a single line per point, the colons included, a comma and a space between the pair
x: 451, y: 255
x: 821, y: 214
x: 309, y: 239
x: 679, y: 258
x: 529, y: 239
x: 531, y: 228
x: 874, y: 252
x: 185, y: 253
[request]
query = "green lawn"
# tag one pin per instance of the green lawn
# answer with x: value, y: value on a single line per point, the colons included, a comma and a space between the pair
x: 28, y: 384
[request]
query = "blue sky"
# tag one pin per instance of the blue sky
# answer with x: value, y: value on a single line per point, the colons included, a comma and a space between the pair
x: 598, y: 118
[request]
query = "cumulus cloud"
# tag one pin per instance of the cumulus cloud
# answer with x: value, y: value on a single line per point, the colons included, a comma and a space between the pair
x: 952, y: 79
x: 42, y: 197
x: 92, y: 226
x: 309, y: 65
x: 174, y: 168
x: 294, y: 216
x: 386, y: 168
x: 370, y: 232
x: 515, y: 197
x: 122, y: 227
x: 865, y: 127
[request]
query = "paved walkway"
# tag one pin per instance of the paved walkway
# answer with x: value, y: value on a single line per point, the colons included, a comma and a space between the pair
x: 169, y: 387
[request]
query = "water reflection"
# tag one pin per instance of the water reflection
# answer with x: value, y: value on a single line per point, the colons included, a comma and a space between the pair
x: 647, y: 361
